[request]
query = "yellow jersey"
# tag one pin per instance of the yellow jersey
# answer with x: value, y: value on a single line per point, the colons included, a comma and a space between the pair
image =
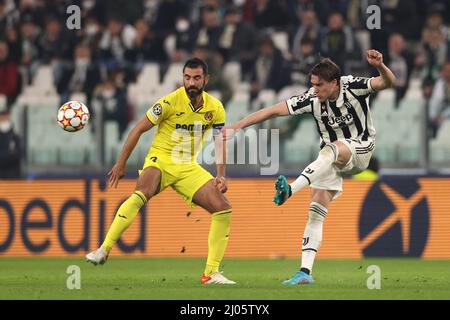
x: 181, y: 128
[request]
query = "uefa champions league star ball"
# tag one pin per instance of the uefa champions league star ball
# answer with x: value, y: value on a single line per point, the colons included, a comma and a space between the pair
x: 73, y: 116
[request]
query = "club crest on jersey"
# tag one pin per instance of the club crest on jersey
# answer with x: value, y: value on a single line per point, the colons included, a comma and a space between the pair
x: 348, y: 105
x: 208, y: 116
x: 157, y: 109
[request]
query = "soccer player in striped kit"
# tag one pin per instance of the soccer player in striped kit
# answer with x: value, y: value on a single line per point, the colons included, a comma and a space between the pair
x: 340, y: 106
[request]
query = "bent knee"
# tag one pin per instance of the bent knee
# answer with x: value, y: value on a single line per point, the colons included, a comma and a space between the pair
x: 222, y: 206
x: 344, y: 154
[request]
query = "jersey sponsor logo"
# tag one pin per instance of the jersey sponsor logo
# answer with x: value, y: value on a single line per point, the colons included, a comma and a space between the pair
x: 395, y: 219
x: 192, y: 127
x: 347, y: 119
x: 208, y: 116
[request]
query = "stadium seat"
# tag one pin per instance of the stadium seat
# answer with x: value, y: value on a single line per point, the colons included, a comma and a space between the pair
x: 216, y: 94
x: 172, y: 78
x: 232, y: 74
x: 149, y: 79
x: 363, y: 38
x: 43, y: 82
x: 2, y: 102
x: 237, y: 108
x: 281, y: 41
x: 170, y: 43
x: 79, y: 96
x: 265, y: 98
x: 440, y: 146
x: 301, y: 146
x: 112, y: 142
x: 290, y: 91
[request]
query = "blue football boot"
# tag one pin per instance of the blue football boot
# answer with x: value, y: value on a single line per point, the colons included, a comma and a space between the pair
x: 299, y: 277
x: 283, y: 191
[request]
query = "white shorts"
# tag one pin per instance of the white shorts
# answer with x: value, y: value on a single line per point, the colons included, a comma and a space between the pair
x: 359, y: 161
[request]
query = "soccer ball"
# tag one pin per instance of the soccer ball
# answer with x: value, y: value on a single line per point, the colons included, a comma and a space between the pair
x: 73, y: 116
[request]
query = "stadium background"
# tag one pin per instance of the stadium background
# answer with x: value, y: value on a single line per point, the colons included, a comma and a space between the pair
x: 54, y: 202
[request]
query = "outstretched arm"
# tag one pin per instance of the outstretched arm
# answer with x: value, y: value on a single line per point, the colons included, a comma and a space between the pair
x: 386, y: 79
x: 118, y: 170
x: 279, y: 109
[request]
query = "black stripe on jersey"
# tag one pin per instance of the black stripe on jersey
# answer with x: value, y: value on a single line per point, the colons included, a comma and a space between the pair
x: 331, y: 133
x: 370, y: 148
x: 303, y: 101
x: 342, y: 125
x: 352, y: 111
x: 365, y: 108
x: 359, y: 83
x: 365, y: 150
x: 317, y: 123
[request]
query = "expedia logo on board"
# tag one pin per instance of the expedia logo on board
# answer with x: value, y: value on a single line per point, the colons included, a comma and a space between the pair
x: 395, y: 219
x: 56, y: 215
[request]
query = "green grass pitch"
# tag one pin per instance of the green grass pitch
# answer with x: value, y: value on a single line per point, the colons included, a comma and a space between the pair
x: 167, y: 279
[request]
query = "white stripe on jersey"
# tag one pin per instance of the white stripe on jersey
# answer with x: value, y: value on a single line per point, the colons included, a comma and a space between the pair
x: 348, y: 117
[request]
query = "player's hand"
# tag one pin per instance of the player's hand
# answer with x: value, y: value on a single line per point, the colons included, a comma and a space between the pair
x: 115, y: 174
x: 228, y: 132
x: 374, y: 58
x: 221, y: 184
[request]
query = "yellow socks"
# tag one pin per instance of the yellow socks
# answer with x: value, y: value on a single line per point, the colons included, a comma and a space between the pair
x: 217, y: 240
x: 124, y: 217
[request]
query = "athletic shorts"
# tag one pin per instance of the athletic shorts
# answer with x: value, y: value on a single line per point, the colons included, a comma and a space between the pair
x: 185, y: 178
x: 359, y: 161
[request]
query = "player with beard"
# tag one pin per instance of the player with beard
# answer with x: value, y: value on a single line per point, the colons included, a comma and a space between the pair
x: 183, y: 117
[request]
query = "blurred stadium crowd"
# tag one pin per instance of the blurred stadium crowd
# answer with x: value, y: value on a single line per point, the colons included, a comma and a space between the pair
x: 274, y: 42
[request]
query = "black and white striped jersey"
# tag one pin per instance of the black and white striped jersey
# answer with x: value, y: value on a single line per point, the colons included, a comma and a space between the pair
x: 348, y: 117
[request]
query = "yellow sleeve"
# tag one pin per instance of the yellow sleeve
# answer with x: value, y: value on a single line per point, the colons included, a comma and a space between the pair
x: 158, y: 112
x: 219, y: 121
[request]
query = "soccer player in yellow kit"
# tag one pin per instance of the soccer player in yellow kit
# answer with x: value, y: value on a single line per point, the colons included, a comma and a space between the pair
x: 183, y: 118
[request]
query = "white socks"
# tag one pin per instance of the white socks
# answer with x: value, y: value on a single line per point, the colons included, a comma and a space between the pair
x: 317, y: 169
x: 312, y: 237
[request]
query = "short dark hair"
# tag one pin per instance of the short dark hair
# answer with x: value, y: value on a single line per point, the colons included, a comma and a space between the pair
x: 195, y: 63
x: 327, y: 70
